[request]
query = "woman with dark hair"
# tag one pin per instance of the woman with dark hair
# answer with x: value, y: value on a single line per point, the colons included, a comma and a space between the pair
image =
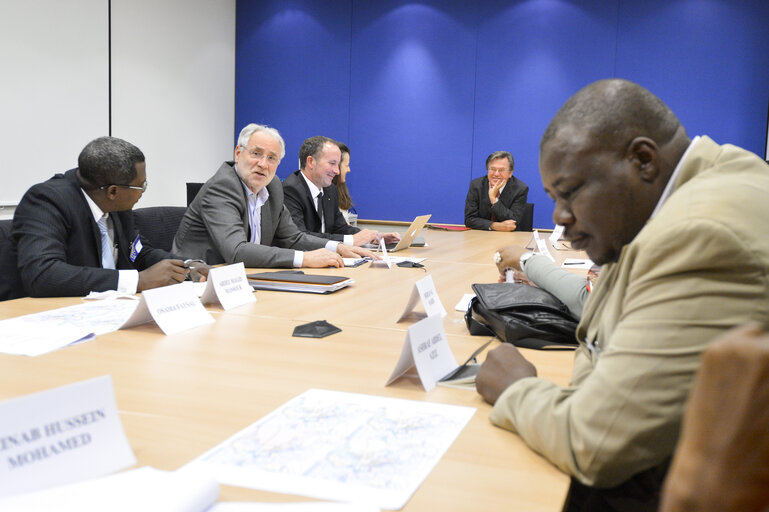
x: 345, y: 201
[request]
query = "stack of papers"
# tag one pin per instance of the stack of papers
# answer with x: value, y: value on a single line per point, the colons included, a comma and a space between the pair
x: 146, y: 489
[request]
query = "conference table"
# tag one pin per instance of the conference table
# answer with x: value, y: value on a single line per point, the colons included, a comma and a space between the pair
x: 182, y: 394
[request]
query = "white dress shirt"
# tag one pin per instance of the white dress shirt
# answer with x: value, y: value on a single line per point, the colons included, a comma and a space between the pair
x: 128, y: 280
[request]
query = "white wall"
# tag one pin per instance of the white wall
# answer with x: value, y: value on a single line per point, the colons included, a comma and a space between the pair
x: 53, y: 87
x: 173, y: 88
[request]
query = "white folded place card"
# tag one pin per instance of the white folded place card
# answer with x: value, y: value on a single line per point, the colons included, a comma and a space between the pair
x: 424, y: 289
x: 556, y: 235
x: 542, y: 246
x: 427, y: 348
x: 174, y: 308
x: 229, y: 286
x: 385, y: 261
x: 62, y: 435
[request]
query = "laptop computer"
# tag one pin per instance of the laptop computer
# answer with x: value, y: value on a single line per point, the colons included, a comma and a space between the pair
x: 408, y: 238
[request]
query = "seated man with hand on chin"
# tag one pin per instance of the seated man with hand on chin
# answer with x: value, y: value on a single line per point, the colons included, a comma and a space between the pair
x: 496, y: 201
x: 239, y: 215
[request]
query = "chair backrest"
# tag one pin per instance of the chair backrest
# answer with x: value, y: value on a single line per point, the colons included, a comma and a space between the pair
x: 192, y: 191
x: 527, y: 220
x: 158, y: 224
x: 10, y: 281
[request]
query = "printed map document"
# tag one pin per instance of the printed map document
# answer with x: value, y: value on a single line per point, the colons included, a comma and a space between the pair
x: 340, y: 446
x: 38, y: 333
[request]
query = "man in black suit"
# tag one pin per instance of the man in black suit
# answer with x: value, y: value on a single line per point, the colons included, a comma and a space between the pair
x: 75, y: 232
x: 319, y: 159
x: 496, y: 201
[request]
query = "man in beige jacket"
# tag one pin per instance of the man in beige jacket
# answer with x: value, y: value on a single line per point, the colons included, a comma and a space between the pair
x: 680, y: 227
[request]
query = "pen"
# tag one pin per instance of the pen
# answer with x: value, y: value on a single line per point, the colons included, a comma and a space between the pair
x: 477, y: 351
x: 574, y: 263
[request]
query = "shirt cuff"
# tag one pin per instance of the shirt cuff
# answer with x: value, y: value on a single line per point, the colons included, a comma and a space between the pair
x: 298, y: 259
x: 348, y: 240
x: 331, y: 245
x: 128, y: 281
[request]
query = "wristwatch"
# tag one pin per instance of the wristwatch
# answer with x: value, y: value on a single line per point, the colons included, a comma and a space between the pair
x: 497, y: 258
x: 524, y: 257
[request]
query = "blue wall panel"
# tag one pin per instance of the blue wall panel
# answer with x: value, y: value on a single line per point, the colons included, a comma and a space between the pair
x: 528, y: 65
x: 411, y: 109
x: 293, y: 70
x: 707, y: 59
x: 423, y: 91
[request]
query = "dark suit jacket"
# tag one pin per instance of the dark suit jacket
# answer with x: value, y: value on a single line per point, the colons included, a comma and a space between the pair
x: 10, y: 282
x: 216, y: 226
x: 59, y: 244
x: 302, y: 207
x: 510, y: 206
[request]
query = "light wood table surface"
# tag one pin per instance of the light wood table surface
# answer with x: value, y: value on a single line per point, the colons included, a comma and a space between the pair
x: 181, y: 395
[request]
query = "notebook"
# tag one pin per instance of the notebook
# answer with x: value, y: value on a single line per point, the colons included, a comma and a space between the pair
x: 297, y: 281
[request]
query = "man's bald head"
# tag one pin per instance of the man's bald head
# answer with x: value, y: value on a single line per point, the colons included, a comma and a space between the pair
x: 612, y: 113
x: 605, y: 159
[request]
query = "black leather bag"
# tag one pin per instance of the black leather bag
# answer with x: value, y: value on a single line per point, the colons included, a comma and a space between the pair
x: 523, y: 315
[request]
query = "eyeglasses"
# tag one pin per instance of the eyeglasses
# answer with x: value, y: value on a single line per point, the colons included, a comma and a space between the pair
x: 142, y: 188
x: 258, y: 154
x: 499, y: 170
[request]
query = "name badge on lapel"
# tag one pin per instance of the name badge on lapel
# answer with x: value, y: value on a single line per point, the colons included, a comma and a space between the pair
x: 136, y: 248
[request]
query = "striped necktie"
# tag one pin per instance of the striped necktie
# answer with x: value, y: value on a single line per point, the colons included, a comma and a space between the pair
x: 107, y: 256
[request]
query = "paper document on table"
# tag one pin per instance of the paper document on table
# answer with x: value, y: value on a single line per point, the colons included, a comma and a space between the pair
x: 304, y: 506
x: 464, y: 302
x: 355, y: 262
x: 340, y: 446
x: 400, y: 259
x: 39, y: 333
x: 110, y: 295
x: 464, y: 378
x: 146, y: 489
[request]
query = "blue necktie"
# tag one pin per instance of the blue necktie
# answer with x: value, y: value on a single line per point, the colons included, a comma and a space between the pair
x: 107, y: 257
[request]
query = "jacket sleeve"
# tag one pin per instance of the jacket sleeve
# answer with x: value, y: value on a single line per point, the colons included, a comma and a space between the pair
x: 42, y: 224
x: 571, y: 289
x: 511, y: 208
x: 621, y: 414
x: 473, y: 219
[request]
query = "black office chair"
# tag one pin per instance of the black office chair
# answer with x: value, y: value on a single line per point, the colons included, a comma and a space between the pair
x: 158, y: 224
x: 10, y: 282
x: 527, y: 220
x: 192, y: 191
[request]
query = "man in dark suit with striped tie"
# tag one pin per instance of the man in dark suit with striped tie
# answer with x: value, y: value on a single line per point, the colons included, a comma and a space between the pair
x: 75, y: 232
